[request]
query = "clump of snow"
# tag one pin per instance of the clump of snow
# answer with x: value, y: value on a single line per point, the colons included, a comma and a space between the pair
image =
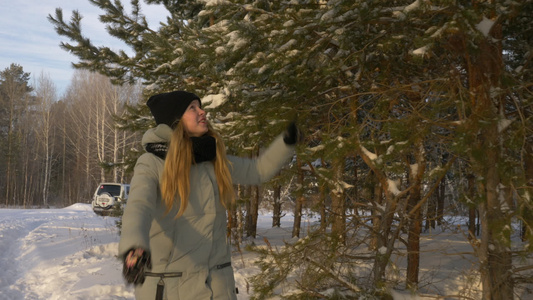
x: 485, y: 26
x: 262, y: 69
x: 328, y: 15
x: 390, y: 150
x: 402, y: 14
x: 316, y: 148
x: 220, y: 50
x: 414, y: 168
x: 370, y: 155
x: 79, y: 207
x: 214, y: 101
x: 421, y: 51
x: 415, y: 5
x: 235, y: 41
x: 393, y: 187
x: 288, y: 45
x: 288, y: 23
x: 503, y: 124
x: 209, y: 3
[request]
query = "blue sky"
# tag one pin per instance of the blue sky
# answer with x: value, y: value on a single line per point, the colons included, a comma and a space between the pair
x: 27, y: 37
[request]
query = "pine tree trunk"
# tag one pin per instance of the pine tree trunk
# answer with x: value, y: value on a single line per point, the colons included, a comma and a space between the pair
x: 498, y: 285
x: 338, y: 207
x: 471, y: 193
x: 248, y: 218
x: 384, y: 245
x: 254, y: 211
x: 484, y: 69
x: 323, y: 212
x: 238, y: 218
x: 276, y: 207
x: 431, y: 214
x: 441, y: 192
x: 377, y: 200
x: 527, y: 215
x: 413, y: 240
x: 415, y: 217
x: 299, y: 203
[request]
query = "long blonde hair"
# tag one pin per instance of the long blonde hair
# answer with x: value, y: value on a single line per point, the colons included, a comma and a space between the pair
x: 175, y: 179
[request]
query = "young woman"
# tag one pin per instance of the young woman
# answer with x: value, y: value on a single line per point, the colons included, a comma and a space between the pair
x: 174, y: 242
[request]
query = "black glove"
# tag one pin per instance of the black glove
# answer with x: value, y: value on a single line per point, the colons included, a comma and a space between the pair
x: 136, y: 261
x: 292, y: 134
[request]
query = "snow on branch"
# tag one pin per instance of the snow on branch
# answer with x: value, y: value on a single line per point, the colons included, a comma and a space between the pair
x: 485, y: 26
x: 401, y: 14
x: 503, y: 124
x: 214, y: 101
x: 370, y: 155
x: 393, y: 187
x: 209, y: 3
x: 421, y: 51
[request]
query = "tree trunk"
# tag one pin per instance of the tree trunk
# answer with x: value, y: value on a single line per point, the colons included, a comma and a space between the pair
x: 383, y: 249
x: 484, y: 70
x: 298, y: 207
x: 252, y: 207
x: 322, y: 206
x: 276, y: 207
x: 471, y: 193
x: 253, y: 212
x: 413, y: 240
x: 527, y: 211
x: 9, y: 155
x: 431, y: 214
x: 248, y: 219
x: 441, y: 192
x: 377, y: 200
x: 338, y: 206
x: 415, y: 217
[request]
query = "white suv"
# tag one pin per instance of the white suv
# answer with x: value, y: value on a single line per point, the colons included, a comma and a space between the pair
x: 107, y: 195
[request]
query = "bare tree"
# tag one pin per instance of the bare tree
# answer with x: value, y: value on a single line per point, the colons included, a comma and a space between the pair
x: 46, y: 96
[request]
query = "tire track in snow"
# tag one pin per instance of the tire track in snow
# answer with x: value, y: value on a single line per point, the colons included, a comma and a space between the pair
x: 13, y: 231
x: 59, y: 254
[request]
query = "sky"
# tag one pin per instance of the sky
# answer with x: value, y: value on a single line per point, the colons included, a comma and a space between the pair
x: 28, y: 39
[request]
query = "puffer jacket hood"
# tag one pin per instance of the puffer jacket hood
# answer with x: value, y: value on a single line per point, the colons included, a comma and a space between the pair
x: 159, y: 134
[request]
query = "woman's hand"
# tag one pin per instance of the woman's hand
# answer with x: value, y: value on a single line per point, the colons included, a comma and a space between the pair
x: 292, y: 134
x: 135, y: 263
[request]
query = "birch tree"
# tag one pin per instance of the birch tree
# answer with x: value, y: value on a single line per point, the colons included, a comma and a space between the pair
x: 46, y: 96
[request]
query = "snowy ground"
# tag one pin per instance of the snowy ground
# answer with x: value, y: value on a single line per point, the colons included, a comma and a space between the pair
x: 70, y: 253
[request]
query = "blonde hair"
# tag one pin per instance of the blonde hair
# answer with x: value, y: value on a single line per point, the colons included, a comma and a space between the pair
x: 175, y: 179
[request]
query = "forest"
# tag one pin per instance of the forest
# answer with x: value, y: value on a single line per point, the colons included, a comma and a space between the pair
x: 411, y: 112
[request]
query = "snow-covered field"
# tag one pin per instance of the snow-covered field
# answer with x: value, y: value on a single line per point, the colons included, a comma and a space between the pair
x: 70, y: 253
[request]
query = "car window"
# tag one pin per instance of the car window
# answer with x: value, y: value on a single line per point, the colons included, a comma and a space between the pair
x: 114, y: 190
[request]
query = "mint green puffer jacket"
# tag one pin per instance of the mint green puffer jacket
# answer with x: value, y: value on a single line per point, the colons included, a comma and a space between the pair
x: 194, y: 244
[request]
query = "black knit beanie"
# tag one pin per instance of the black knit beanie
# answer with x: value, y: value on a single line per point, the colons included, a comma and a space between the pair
x: 168, y: 108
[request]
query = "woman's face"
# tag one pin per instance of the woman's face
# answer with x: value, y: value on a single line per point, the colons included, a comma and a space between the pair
x: 194, y: 119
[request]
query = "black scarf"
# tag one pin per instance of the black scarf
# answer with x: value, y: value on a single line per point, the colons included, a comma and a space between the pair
x: 204, y: 148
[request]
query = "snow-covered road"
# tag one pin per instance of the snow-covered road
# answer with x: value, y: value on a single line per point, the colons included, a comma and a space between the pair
x: 65, y: 253
x: 70, y: 253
